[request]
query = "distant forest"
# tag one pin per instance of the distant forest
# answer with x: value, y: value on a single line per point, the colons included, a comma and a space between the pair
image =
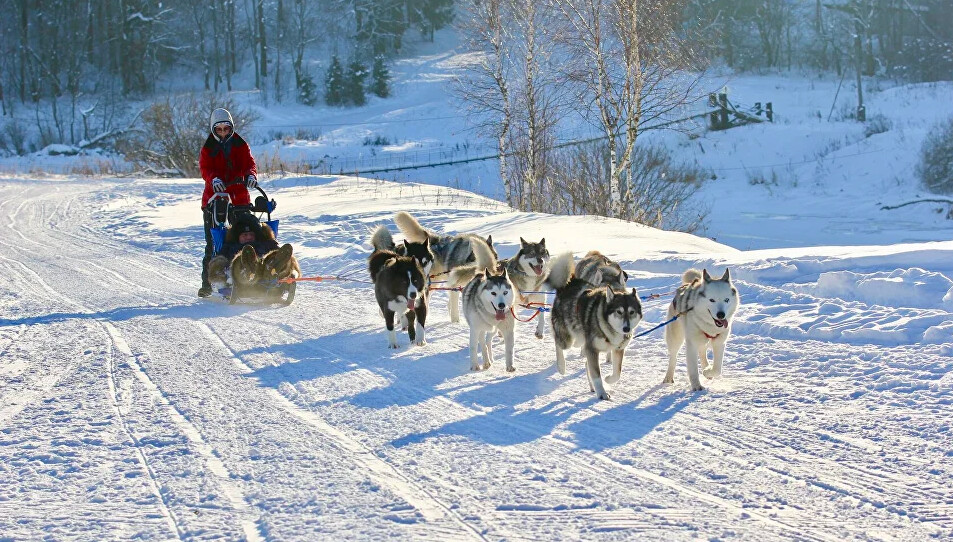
x: 73, y: 63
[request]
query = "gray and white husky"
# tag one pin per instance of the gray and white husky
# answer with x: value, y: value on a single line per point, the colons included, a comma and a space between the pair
x: 599, y: 318
x: 487, y: 300
x: 399, y: 284
x: 527, y: 270
x: 705, y: 306
x: 598, y: 270
x: 450, y: 251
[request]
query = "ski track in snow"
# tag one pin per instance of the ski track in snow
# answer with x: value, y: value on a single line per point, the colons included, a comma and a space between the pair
x: 802, y: 439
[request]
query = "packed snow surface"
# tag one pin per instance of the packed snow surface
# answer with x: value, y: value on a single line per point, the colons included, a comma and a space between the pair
x: 130, y: 409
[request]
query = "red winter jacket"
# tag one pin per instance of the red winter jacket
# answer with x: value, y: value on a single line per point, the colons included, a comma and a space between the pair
x: 228, y: 161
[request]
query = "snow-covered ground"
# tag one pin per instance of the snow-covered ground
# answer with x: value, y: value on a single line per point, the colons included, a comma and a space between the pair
x: 130, y: 409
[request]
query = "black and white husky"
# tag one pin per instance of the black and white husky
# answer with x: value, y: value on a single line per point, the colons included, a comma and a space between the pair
x: 599, y: 318
x: 399, y: 284
x: 598, y: 270
x: 705, y: 307
x: 487, y: 303
x: 382, y: 239
x: 450, y: 251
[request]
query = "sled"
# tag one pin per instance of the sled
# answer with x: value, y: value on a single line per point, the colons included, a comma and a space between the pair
x: 266, y: 291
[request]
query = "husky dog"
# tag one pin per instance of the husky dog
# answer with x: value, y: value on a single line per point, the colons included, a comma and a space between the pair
x: 528, y: 270
x: 487, y: 300
x: 450, y: 251
x: 399, y: 287
x: 601, y: 319
x: 705, y: 307
x: 280, y: 263
x: 599, y: 270
x: 382, y: 239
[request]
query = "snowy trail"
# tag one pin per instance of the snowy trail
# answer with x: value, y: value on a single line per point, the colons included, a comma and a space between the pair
x: 131, y: 409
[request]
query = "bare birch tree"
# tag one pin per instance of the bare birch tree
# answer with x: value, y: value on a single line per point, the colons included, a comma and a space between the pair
x: 485, y: 89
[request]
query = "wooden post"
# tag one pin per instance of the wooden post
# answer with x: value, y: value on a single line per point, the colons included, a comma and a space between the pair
x: 723, y: 114
x: 859, y: 51
x: 713, y: 117
x: 769, y: 111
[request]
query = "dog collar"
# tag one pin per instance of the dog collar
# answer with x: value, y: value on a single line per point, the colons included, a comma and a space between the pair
x: 711, y: 337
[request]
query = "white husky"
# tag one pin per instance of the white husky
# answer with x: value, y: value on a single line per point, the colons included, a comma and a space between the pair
x: 706, y: 307
x: 487, y: 307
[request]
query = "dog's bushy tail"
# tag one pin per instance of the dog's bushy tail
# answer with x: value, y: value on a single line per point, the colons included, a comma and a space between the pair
x: 691, y: 276
x: 382, y: 239
x: 409, y: 226
x: 561, y: 270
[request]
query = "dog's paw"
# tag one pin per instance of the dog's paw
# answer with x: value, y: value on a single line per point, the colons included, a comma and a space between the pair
x: 698, y: 388
x: 604, y: 396
x: 668, y: 380
x: 511, y: 369
x: 613, y: 378
x: 487, y: 365
x: 539, y: 334
x: 420, y: 342
x: 393, y: 345
x: 710, y: 373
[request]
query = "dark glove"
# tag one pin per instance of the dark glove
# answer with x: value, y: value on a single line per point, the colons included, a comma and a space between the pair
x: 251, y: 182
x: 218, y: 185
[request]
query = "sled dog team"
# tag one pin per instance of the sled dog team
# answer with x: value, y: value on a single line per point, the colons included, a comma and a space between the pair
x: 592, y: 308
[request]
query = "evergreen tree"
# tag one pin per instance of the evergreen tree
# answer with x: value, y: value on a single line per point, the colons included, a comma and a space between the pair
x: 380, y: 78
x: 354, y: 83
x: 334, y: 83
x: 433, y: 15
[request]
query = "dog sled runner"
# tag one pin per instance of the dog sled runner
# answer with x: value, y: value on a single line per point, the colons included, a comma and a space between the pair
x: 266, y: 290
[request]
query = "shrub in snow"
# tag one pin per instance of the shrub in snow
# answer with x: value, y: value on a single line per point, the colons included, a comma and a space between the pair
x: 935, y: 169
x: 658, y: 192
x: 877, y: 124
x: 174, y: 130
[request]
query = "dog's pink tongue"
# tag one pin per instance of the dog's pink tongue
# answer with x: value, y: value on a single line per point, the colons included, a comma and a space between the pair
x: 538, y: 269
x: 721, y: 323
x: 410, y: 304
x: 500, y: 314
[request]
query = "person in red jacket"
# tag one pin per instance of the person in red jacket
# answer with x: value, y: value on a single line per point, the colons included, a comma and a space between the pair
x: 227, y: 166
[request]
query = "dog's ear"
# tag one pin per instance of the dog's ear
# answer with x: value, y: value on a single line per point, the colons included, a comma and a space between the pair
x: 406, y: 244
x: 486, y: 271
x: 634, y: 293
x: 427, y: 243
x: 489, y: 240
x: 726, y: 277
x: 705, y: 276
x: 542, y: 242
x: 503, y: 274
x: 523, y: 243
x: 609, y: 294
x: 597, y: 277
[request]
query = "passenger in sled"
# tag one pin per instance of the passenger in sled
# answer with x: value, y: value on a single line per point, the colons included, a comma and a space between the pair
x: 250, y: 262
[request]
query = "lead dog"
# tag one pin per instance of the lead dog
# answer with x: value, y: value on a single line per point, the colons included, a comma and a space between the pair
x: 705, y: 307
x: 598, y: 318
x: 487, y: 303
x: 450, y: 251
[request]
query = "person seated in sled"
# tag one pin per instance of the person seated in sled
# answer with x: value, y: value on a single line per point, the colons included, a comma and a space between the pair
x: 224, y: 158
x: 246, y: 230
